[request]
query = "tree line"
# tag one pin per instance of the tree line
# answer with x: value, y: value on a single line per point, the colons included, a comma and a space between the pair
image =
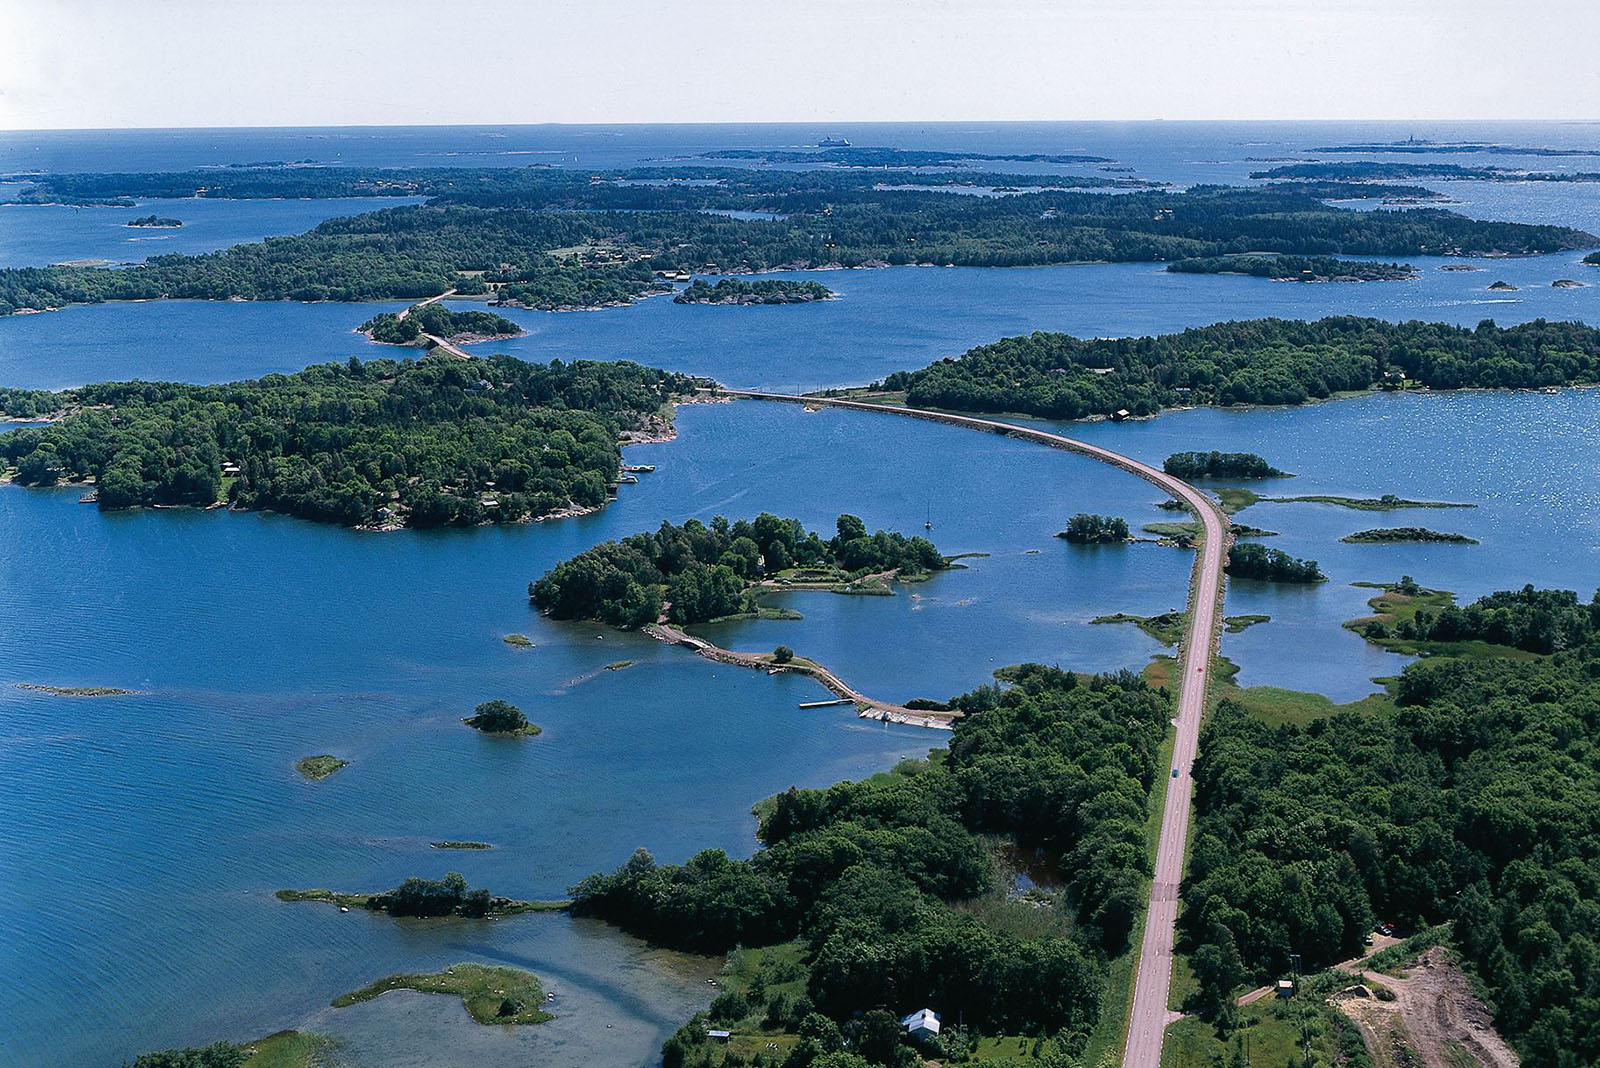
x: 432, y: 442
x: 1535, y: 621
x: 1249, y: 560
x: 697, y: 572
x: 1257, y: 361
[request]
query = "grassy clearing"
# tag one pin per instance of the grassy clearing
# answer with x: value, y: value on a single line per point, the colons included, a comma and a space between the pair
x: 292, y: 1049
x: 1235, y: 624
x: 1276, y: 1032
x: 320, y: 766
x: 491, y: 995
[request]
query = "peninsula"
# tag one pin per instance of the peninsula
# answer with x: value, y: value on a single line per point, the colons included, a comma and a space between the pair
x: 440, y: 441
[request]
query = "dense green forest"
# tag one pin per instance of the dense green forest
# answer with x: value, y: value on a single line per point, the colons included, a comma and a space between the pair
x: 390, y: 329
x: 1258, y: 361
x: 431, y: 442
x: 1085, y: 528
x: 1271, y: 565
x: 28, y: 403
x: 761, y: 291
x: 1296, y: 268
x: 561, y: 241
x: 1476, y: 801
x: 707, y: 571
x: 892, y: 894
x: 1214, y: 464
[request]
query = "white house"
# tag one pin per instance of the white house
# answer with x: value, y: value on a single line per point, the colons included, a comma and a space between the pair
x: 923, y: 1024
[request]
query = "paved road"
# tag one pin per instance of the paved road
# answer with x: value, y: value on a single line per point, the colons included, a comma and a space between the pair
x: 1148, y: 1018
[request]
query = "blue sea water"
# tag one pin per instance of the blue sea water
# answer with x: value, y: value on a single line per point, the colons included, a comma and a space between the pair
x: 142, y: 836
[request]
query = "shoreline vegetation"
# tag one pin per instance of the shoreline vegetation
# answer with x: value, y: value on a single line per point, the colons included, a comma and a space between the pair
x: 554, y: 239
x: 1251, y: 362
x: 491, y: 995
x: 1236, y: 499
x: 418, y: 324
x: 378, y: 445
x: 697, y: 573
x: 284, y: 1049
x: 426, y: 899
x: 1388, y: 535
x: 317, y: 768
x: 763, y: 291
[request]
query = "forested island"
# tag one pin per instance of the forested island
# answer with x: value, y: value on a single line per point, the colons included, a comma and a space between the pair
x: 762, y: 291
x: 1382, y: 535
x: 1259, y: 361
x: 1469, y: 801
x: 1192, y: 465
x: 501, y: 717
x: 1270, y: 565
x: 156, y: 221
x: 881, y: 897
x: 457, y: 327
x: 433, y: 442
x: 1088, y: 529
x: 698, y: 572
x: 1296, y: 268
x: 554, y: 239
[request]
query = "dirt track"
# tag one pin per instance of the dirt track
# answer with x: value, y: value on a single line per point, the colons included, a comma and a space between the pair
x: 1435, y: 1017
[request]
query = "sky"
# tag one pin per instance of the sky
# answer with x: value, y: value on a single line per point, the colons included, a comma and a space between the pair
x: 72, y: 64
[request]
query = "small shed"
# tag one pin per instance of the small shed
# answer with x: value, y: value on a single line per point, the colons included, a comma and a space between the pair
x: 1286, y: 988
x: 1120, y: 414
x: 921, y: 1024
x: 717, y: 1035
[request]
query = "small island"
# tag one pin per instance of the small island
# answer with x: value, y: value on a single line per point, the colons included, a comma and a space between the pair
x: 492, y: 995
x: 1502, y: 286
x: 1296, y: 268
x: 520, y: 641
x: 765, y: 291
x: 76, y: 691
x: 502, y: 717
x: 1382, y: 535
x: 449, y: 896
x: 450, y: 844
x: 155, y: 221
x: 1087, y: 529
x: 1569, y: 283
x: 1214, y: 464
x: 317, y: 768
x: 698, y: 573
x: 418, y: 323
x: 1271, y: 565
